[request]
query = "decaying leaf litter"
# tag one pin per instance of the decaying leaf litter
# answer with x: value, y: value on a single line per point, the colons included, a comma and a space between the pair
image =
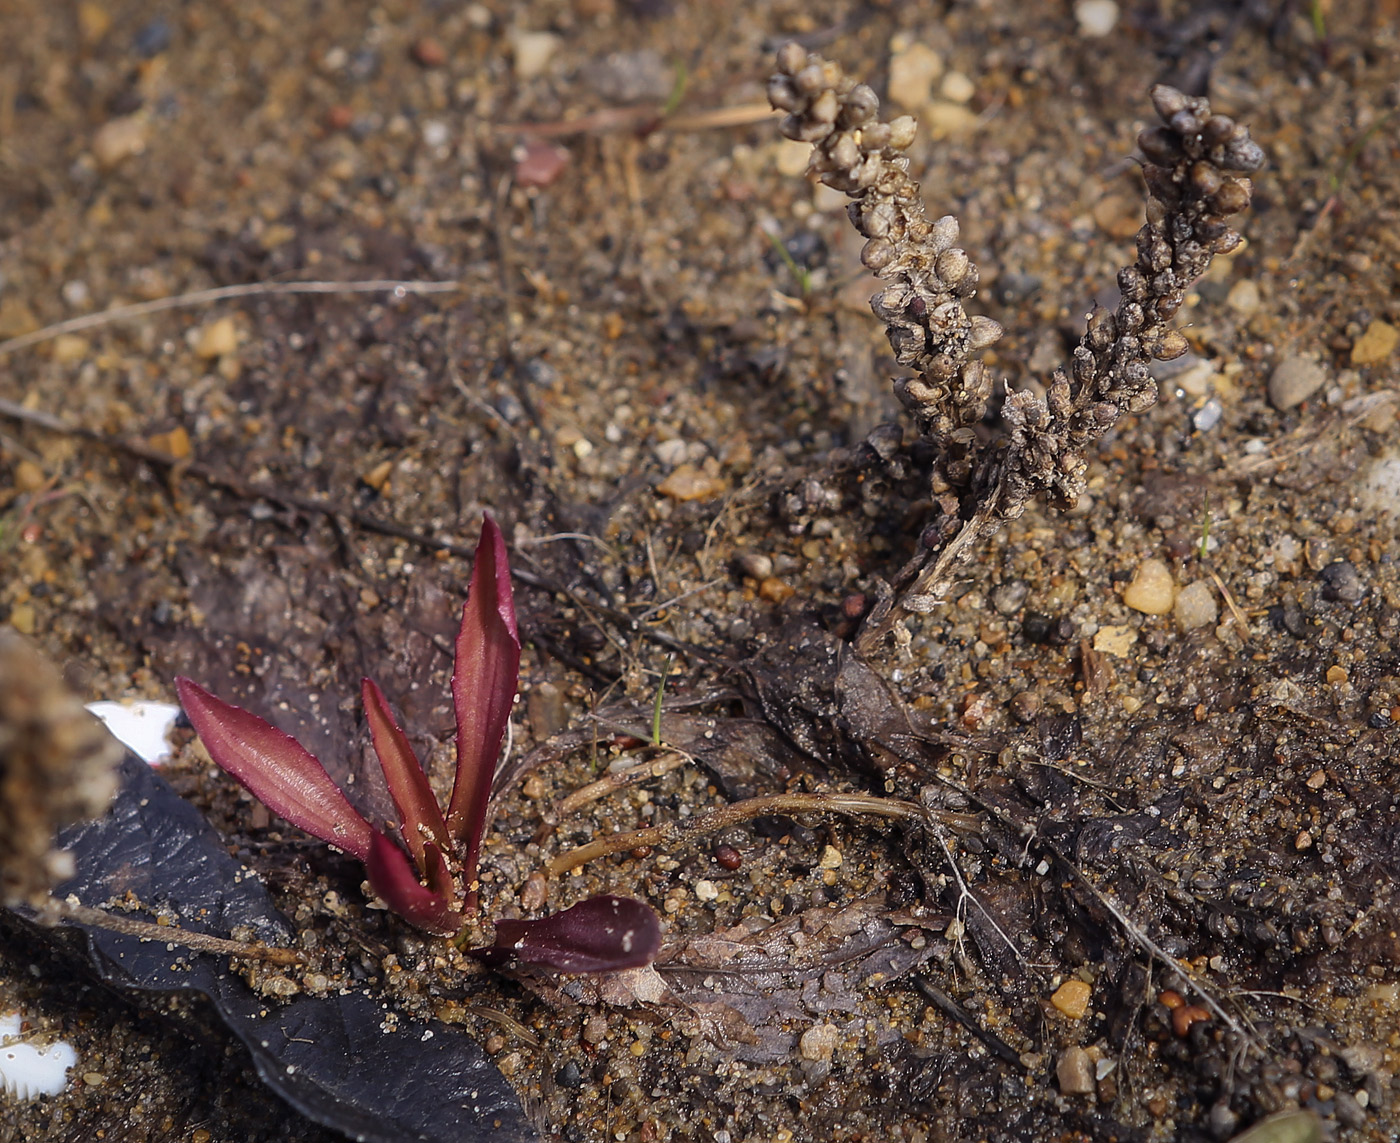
x: 1229, y: 794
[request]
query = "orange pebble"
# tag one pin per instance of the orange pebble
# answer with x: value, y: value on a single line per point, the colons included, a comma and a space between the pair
x: 1185, y: 1016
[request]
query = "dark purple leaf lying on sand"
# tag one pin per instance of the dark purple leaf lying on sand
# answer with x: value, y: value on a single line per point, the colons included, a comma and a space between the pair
x: 327, y: 1057
x: 602, y: 934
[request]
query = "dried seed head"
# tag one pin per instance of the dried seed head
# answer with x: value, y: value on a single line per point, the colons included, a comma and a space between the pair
x: 782, y: 94
x: 825, y: 107
x: 952, y: 267
x: 1157, y: 143
x: 984, y: 332
x: 877, y: 254
x: 944, y: 234
x: 1232, y: 196
x: 860, y: 107
x: 1167, y: 100
x: 792, y: 58
x: 902, y: 131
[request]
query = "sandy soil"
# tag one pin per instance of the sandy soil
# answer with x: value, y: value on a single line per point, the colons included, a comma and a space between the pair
x: 664, y: 414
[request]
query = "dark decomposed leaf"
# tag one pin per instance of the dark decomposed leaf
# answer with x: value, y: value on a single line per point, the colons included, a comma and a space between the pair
x: 329, y: 1058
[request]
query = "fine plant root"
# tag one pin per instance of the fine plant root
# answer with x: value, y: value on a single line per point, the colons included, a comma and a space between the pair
x: 673, y: 834
x: 620, y: 780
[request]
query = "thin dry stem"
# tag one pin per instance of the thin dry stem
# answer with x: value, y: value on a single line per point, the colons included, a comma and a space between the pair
x: 72, y: 910
x: 221, y: 294
x: 672, y: 834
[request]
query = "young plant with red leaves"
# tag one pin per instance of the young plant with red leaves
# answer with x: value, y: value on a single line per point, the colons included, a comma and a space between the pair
x: 434, y: 885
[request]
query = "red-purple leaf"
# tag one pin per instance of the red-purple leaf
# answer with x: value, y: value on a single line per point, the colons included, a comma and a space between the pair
x: 438, y: 875
x: 419, y: 812
x: 391, y: 876
x: 276, y: 769
x: 602, y: 934
x: 484, y: 681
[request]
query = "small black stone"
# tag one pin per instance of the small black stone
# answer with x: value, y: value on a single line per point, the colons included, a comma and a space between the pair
x: 569, y: 1076
x: 1341, y: 583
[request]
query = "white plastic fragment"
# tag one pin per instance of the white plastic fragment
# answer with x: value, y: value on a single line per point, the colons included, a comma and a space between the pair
x: 139, y: 725
x: 27, y: 1072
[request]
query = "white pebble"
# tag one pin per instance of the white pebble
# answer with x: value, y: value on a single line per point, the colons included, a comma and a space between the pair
x: 532, y: 52
x: 1195, y: 606
x: 1096, y: 17
x: 1152, y: 590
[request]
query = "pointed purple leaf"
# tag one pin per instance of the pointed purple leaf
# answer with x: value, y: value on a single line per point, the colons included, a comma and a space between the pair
x: 602, y: 934
x: 275, y: 768
x: 485, y: 677
x: 419, y: 813
x: 392, y: 878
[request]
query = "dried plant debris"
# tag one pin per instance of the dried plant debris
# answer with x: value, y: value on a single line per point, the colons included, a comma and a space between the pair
x: 56, y: 766
x: 1195, y: 165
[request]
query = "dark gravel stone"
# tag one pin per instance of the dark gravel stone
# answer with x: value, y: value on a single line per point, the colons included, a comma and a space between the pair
x: 1341, y: 583
x: 152, y: 39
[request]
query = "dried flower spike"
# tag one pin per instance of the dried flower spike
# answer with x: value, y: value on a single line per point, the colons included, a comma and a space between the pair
x: 1194, y: 171
x: 434, y: 885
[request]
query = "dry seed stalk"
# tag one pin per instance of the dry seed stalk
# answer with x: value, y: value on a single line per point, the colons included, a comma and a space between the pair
x: 1193, y: 168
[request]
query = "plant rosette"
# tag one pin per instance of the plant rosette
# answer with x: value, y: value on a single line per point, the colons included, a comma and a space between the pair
x: 428, y: 876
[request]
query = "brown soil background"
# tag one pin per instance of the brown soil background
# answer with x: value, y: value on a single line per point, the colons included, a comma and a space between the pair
x: 626, y: 359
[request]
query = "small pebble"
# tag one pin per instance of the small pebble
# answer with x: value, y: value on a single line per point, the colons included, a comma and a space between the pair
x: 753, y: 564
x: 1207, y: 416
x: 534, y: 893
x: 1115, y: 639
x: 671, y: 452
x: 1244, y: 297
x: 1376, y: 344
x: 23, y: 618
x: 728, y: 857
x: 569, y: 1076
x: 957, y: 88
x: 1025, y: 706
x: 119, y: 139
x: 830, y: 858
x: 689, y: 483
x: 1294, y: 380
x: 948, y: 120
x: 1008, y: 597
x: 1341, y: 583
x: 152, y: 38
x: 538, y: 163
x: 818, y: 1043
x: 776, y: 590
x: 913, y: 71
x: 1075, y: 1071
x: 1152, y: 590
x: 595, y: 1029
x: 217, y: 338
x: 1195, y: 606
x: 429, y: 53
x: 532, y: 52
x: 1072, y: 999
x: 1096, y: 18
x: 29, y: 477
x: 706, y: 890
